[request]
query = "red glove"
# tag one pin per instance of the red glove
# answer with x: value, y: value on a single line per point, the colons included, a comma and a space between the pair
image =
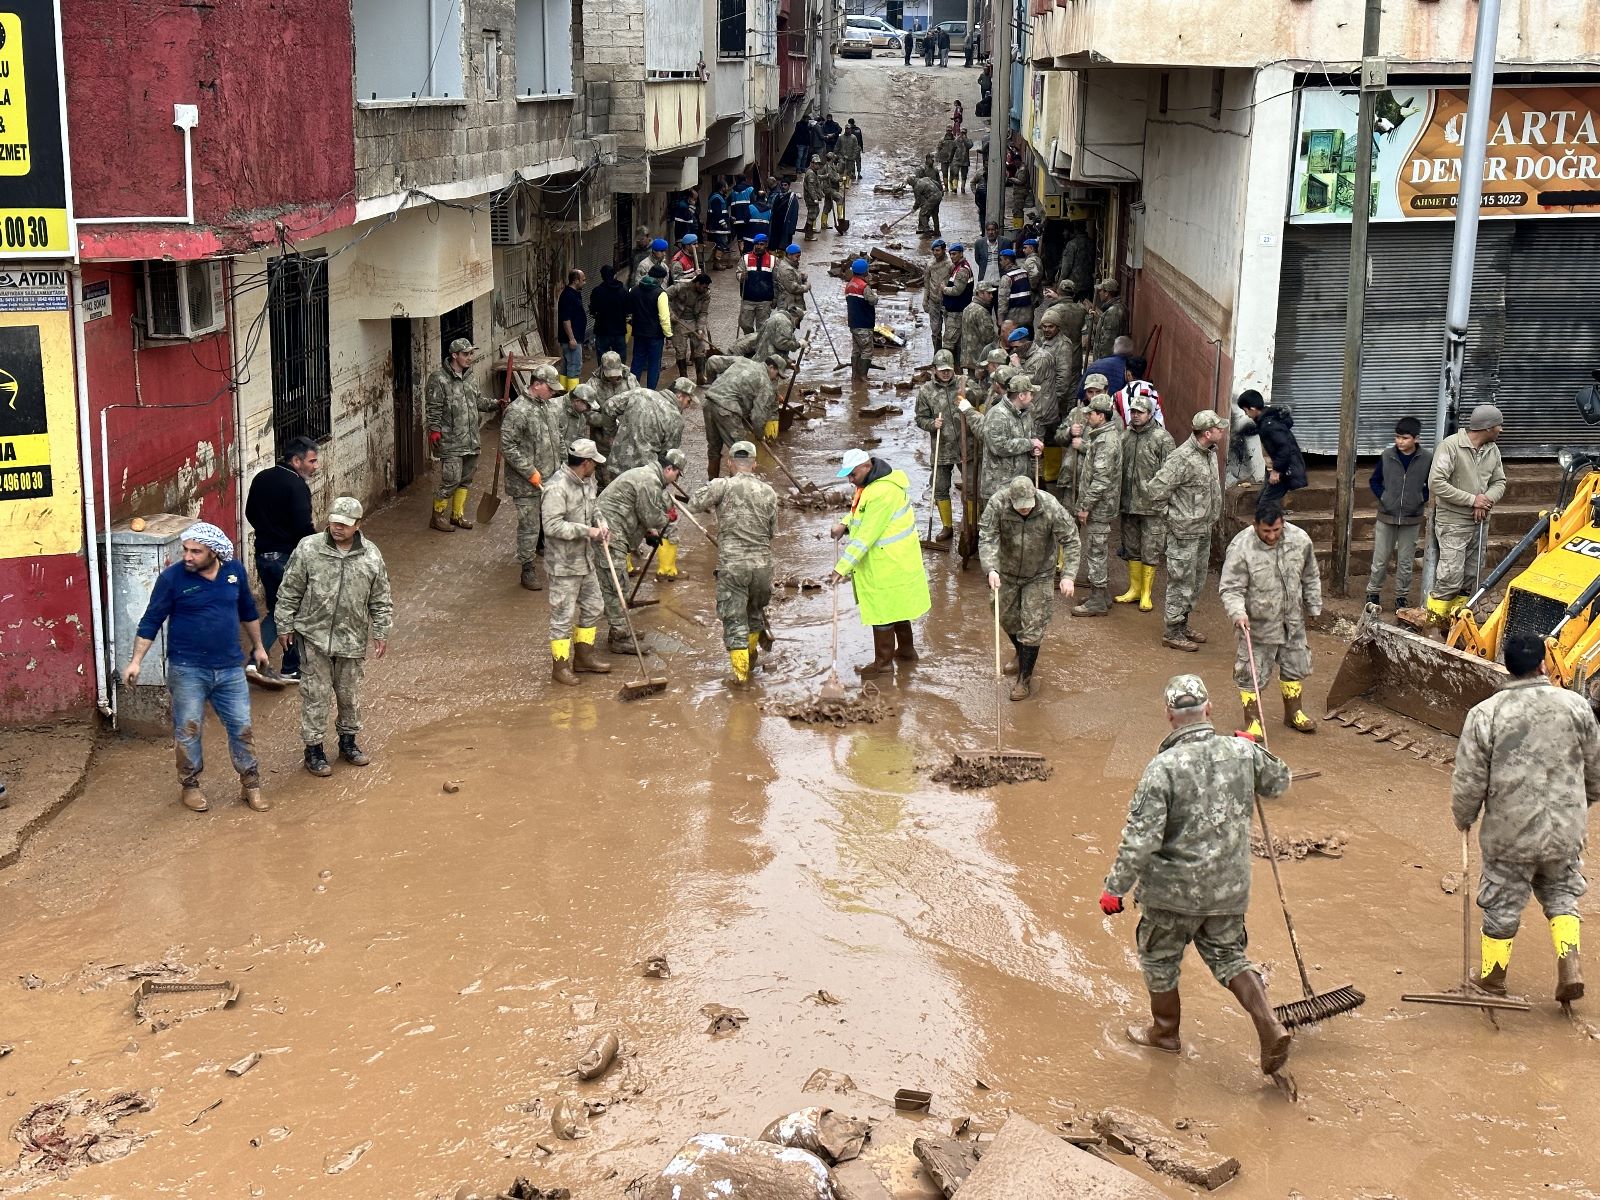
x: 435, y: 436
x: 1248, y: 736
x: 1109, y: 904
x: 672, y: 513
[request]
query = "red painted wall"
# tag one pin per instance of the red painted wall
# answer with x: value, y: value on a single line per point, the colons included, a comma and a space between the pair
x: 46, y: 638
x: 276, y: 136
x: 1185, y: 367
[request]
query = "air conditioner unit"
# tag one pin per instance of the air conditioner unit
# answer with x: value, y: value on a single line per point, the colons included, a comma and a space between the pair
x: 183, y: 301
x: 511, y: 219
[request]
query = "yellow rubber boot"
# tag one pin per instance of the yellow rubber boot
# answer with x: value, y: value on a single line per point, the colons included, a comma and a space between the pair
x: 946, y: 513
x: 1293, y: 715
x: 1496, y: 960
x: 755, y: 649
x: 770, y: 430
x: 1146, y: 582
x: 1439, y: 610
x: 1252, y: 714
x: 741, y: 666
x: 561, y: 662
x: 1135, y: 579
x: 628, y: 564
x: 561, y: 649
x: 458, y: 503
x: 1564, y: 932
x: 441, y: 517
x: 667, y: 560
x: 1569, y: 976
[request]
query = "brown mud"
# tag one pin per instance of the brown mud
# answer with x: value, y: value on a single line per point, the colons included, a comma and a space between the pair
x: 420, y: 969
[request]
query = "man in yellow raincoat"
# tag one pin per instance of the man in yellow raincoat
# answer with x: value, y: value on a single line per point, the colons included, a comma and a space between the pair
x: 882, y: 558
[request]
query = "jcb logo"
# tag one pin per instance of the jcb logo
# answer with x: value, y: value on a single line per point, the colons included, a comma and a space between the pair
x: 1587, y: 547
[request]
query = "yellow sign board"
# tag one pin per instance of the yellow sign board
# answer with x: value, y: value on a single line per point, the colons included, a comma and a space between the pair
x: 35, y: 213
x: 41, y: 487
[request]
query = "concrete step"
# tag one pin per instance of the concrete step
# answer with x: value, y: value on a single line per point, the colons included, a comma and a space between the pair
x: 1506, y: 521
x: 1526, y: 483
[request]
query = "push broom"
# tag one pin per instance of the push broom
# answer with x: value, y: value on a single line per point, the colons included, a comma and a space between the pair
x: 646, y: 684
x: 1315, y: 1007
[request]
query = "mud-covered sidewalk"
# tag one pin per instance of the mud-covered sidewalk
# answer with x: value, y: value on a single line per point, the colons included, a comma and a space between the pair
x: 424, y: 948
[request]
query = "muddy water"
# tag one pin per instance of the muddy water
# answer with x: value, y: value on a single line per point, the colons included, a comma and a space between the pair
x: 420, y: 968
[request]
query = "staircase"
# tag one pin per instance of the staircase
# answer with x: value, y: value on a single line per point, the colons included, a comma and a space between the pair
x: 1531, y: 486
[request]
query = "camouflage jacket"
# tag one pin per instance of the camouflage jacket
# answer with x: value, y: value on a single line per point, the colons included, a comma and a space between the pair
x: 1459, y: 473
x: 945, y: 148
x: 978, y: 332
x: 571, y: 509
x: 788, y: 288
x: 608, y: 405
x: 1528, y: 762
x: 777, y: 336
x: 1111, y: 324
x: 1187, y: 839
x: 814, y: 189
x: 961, y: 152
x: 1068, y: 315
x: 1098, y: 486
x: 633, y: 502
x: 650, y: 425
x: 337, y: 601
x: 935, y: 400
x: 573, y: 424
x: 849, y: 150
x: 453, y: 408
x: 690, y: 306
x: 832, y: 182
x: 1275, y: 586
x: 1143, y: 452
x: 1035, y: 269
x: 1187, y: 484
x: 1007, y: 436
x: 1023, y: 548
x: 1041, y: 365
x: 934, y: 277
x: 928, y: 193
x: 747, y: 518
x: 531, y: 439
x: 742, y: 390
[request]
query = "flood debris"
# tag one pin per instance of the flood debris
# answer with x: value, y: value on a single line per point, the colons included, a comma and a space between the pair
x: 820, y: 500
x: 913, y: 1100
x: 724, y: 1020
x: 62, y: 1135
x: 337, y: 1163
x: 824, y: 996
x: 1449, y: 883
x: 1302, y: 846
x: 881, y: 409
x: 1025, y: 1161
x: 967, y: 775
x: 195, y: 1120
x: 715, y: 1166
x: 1128, y: 1133
x: 451, y: 787
x: 521, y: 1189
x: 163, y: 1004
x: 655, y: 967
x: 597, y: 1059
x: 567, y: 1119
x: 244, y: 1064
x: 824, y: 1080
x: 831, y: 1136
x: 798, y: 583
x: 947, y: 1162
x: 867, y: 707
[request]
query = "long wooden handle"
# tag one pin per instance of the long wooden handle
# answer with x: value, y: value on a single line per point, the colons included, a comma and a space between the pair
x: 1466, y: 912
x: 937, y: 435
x: 999, y: 679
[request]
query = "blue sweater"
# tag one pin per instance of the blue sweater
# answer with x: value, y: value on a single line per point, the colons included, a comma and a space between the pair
x: 202, y: 615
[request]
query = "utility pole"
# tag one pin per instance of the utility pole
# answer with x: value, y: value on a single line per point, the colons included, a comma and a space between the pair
x: 1374, y: 79
x: 999, y: 110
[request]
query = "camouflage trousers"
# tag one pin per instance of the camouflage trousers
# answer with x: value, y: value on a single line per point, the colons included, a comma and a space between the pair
x: 1292, y: 658
x: 1188, y: 556
x: 1504, y: 888
x: 1457, y: 546
x: 324, y: 678
x: 455, y: 471
x: 1143, y: 538
x: 608, y: 591
x: 1096, y: 551
x: 753, y: 314
x: 743, y: 593
x: 574, y: 597
x: 936, y: 325
x: 723, y: 429
x: 529, y: 528
x: 861, y: 348
x: 690, y: 342
x: 943, y: 477
x: 1163, y: 936
x: 950, y: 335
x: 1026, y: 606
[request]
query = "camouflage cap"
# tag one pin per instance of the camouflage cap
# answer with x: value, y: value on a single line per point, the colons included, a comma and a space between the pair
x: 611, y: 365
x: 1021, y: 493
x: 1110, y: 287
x: 463, y: 346
x: 778, y: 362
x: 546, y: 374
x: 1101, y: 404
x: 585, y: 448
x: 1142, y: 404
x: 675, y: 458
x: 1002, y: 375
x: 1205, y: 420
x: 944, y: 361
x: 583, y: 393
x: 683, y: 384
x: 986, y: 286
x: 1095, y: 383
x: 996, y: 358
x: 346, y: 510
x: 1066, y: 286
x: 1186, y: 691
x: 742, y: 450
x: 1019, y: 382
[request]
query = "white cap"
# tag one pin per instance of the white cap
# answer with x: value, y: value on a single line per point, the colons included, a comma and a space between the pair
x: 852, y: 460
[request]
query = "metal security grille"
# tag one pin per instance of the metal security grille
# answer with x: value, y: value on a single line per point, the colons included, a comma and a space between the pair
x: 457, y: 323
x: 1532, y: 615
x: 302, y: 375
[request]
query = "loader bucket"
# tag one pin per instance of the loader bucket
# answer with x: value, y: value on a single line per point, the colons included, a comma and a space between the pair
x: 1407, y: 673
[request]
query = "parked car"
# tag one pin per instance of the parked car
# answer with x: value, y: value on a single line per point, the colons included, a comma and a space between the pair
x: 856, y: 43
x: 958, y: 36
x: 884, y: 35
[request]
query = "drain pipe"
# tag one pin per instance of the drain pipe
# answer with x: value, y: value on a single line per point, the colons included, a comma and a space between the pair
x: 91, y: 534
x: 185, y: 117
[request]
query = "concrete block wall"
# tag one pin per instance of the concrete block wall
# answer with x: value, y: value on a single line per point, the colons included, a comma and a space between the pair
x: 613, y: 85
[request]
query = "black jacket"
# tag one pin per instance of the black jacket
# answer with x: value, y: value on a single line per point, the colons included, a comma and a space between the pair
x: 608, y: 305
x: 1276, y: 429
x: 279, y: 510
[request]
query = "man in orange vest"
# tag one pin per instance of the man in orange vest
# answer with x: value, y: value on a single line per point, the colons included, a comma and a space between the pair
x: 755, y: 287
x: 861, y: 308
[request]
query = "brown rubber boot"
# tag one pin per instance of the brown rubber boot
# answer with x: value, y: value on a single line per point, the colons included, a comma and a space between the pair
x: 1096, y: 604
x: 882, y: 652
x: 586, y: 662
x: 1293, y: 715
x: 713, y: 466
x: 1166, y: 1009
x: 441, y: 522
x: 1027, y: 656
x: 530, y: 577
x: 1176, y: 637
x: 1569, y: 978
x: 561, y: 672
x: 905, y: 650
x: 618, y: 642
x: 1494, y: 982
x: 1251, y: 992
x: 194, y: 799
x: 1194, y: 634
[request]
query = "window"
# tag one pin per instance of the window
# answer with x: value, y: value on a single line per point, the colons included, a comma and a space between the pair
x: 302, y: 376
x: 406, y: 49
x: 457, y: 323
x: 491, y: 64
x: 732, y: 22
x: 544, y: 47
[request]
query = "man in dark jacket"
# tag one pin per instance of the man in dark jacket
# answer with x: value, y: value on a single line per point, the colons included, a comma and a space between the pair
x: 279, y: 511
x: 608, y: 305
x: 1286, y: 468
x: 1400, y: 482
x: 652, y: 325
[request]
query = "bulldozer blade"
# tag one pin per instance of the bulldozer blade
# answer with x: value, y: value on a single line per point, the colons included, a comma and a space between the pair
x: 1412, y: 675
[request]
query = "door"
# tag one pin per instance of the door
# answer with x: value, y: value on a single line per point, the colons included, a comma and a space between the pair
x: 407, y: 428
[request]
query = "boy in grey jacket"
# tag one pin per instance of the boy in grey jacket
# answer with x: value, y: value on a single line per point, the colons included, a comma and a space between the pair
x: 1400, y: 482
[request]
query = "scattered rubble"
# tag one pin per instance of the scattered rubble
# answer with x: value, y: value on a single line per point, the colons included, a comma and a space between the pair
x: 337, y: 1163
x: 1129, y: 1133
x: 597, y: 1059
x: 1326, y: 845
x: 947, y: 1162
x: 965, y: 776
x: 1028, y: 1162
x: 868, y: 707
x: 62, y: 1135
x: 724, y: 1020
x: 655, y: 967
x: 824, y: 1080
x: 714, y: 1166
x: 245, y: 1063
x: 831, y: 1136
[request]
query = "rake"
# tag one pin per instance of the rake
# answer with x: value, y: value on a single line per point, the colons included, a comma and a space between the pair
x: 832, y: 693
x: 1025, y: 761
x: 645, y: 685
x: 1316, y: 1006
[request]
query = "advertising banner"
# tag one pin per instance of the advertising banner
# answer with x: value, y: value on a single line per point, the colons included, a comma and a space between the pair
x: 41, y: 493
x: 35, y: 203
x: 1543, y: 156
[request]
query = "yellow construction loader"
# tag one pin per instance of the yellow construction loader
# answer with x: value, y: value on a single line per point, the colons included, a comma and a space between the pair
x: 1556, y: 598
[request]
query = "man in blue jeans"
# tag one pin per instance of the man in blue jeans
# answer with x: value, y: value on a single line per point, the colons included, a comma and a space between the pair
x: 573, y: 324
x: 279, y: 511
x: 202, y: 601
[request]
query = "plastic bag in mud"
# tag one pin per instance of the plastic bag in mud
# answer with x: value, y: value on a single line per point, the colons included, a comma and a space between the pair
x: 718, y: 1166
x: 832, y: 1137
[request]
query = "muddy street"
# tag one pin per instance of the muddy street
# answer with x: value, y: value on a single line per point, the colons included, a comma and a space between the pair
x: 419, y: 967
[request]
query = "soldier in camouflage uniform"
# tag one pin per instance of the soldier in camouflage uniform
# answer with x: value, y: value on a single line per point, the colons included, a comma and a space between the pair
x: 850, y: 156
x: 1033, y: 265
x: 776, y: 336
x: 453, y: 410
x: 833, y: 186
x: 1465, y: 482
x: 743, y: 399
x: 1186, y: 845
x: 954, y: 297
x: 651, y: 424
x: 531, y: 441
x: 960, y: 162
x: 1270, y: 584
x: 942, y: 153
x: 1023, y: 535
x: 790, y: 284
x: 938, y: 416
x: 815, y: 194
x: 579, y: 413
x: 928, y: 193
x: 635, y: 506
x: 1528, y: 763
x: 934, y: 276
x: 571, y: 526
x: 978, y: 329
x: 1040, y: 361
x: 333, y: 601
x: 747, y: 522
x: 1187, y: 485
x: 689, y: 302
x: 1145, y: 446
x: 1097, y: 494
x: 1110, y: 321
x: 1010, y: 446
x: 1069, y: 317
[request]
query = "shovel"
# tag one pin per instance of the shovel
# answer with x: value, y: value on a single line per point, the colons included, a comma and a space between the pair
x: 489, y: 502
x: 933, y: 505
x: 806, y: 486
x: 645, y: 685
x: 684, y: 512
x: 785, y: 413
x: 832, y: 692
x: 890, y: 225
